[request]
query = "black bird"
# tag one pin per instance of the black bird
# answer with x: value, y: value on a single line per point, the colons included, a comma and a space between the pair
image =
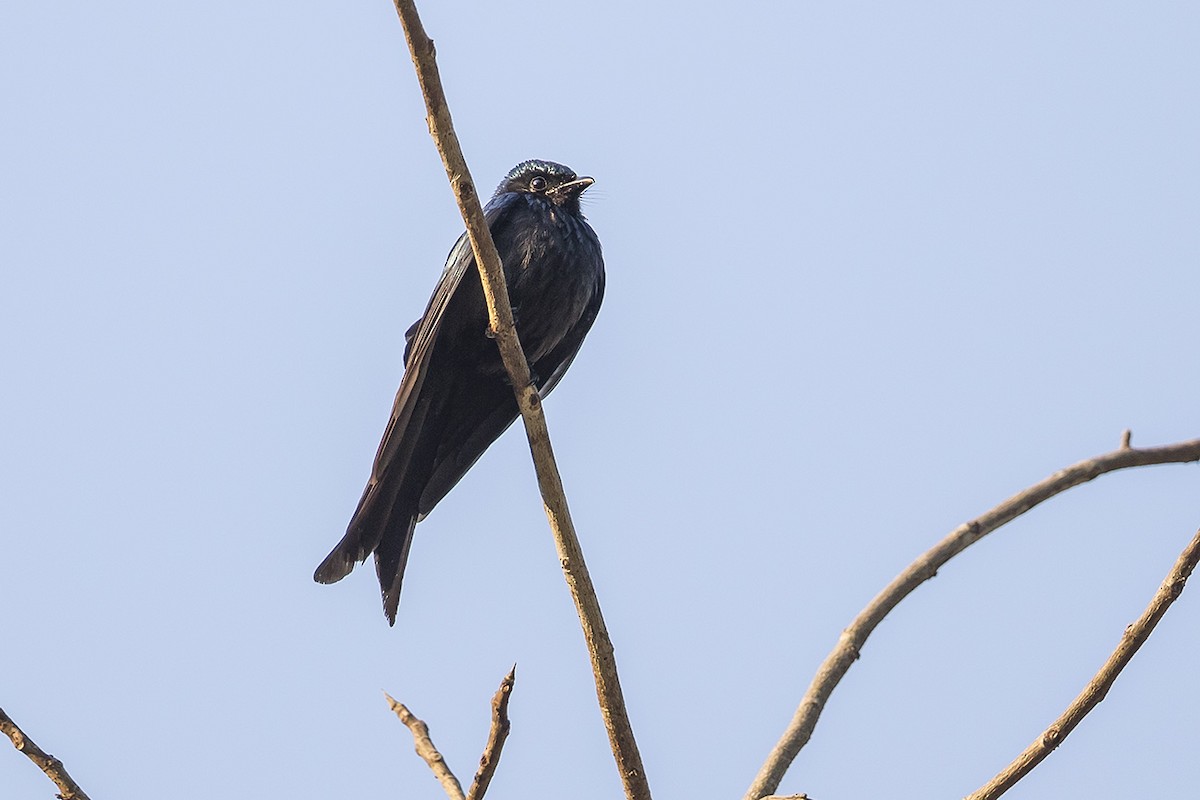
x: 455, y: 398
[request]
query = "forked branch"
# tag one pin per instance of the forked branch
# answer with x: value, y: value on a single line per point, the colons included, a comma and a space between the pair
x: 491, y: 752
x: 850, y: 643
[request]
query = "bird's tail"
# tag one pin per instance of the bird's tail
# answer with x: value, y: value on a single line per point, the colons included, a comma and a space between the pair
x: 362, y: 535
x: 391, y: 556
x: 390, y: 541
x: 349, y: 553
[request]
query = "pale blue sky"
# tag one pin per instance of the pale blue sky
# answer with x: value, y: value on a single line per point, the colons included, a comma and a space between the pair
x: 872, y: 268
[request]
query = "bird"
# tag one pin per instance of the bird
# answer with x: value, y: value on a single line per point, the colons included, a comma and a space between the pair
x: 455, y: 397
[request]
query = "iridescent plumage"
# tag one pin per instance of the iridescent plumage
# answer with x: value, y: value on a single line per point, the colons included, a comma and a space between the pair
x: 455, y: 399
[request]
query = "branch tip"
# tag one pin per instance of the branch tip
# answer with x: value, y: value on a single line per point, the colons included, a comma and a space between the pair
x: 496, y: 737
x: 426, y: 749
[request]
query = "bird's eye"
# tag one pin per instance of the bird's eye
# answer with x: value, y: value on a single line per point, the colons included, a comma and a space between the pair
x: 538, y: 184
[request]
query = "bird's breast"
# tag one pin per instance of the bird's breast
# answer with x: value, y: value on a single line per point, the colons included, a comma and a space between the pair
x: 555, y: 276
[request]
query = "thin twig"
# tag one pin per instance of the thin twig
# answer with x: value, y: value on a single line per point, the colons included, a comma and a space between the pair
x: 426, y: 750
x: 499, y: 732
x: 570, y: 554
x: 54, y: 769
x: 1133, y: 638
x: 850, y: 643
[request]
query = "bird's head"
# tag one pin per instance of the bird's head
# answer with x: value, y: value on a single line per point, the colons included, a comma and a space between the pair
x: 558, y: 184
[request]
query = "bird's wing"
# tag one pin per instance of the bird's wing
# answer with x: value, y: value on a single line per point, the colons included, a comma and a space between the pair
x: 460, y: 452
x: 372, y: 516
x: 458, y: 459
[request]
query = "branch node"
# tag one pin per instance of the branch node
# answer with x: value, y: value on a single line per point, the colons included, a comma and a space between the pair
x: 1052, y: 738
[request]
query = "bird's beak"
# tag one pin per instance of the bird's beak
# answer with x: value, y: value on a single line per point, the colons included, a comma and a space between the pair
x: 572, y: 189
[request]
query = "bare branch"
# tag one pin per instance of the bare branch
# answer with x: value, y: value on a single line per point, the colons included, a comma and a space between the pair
x: 427, y: 751
x: 850, y: 643
x: 570, y: 554
x: 1133, y: 638
x: 499, y: 732
x: 54, y: 769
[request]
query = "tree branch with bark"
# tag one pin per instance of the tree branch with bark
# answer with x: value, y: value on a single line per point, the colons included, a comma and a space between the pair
x: 68, y: 789
x: 852, y: 639
x: 612, y: 707
x: 1096, y: 690
x: 491, y: 751
x: 495, y: 289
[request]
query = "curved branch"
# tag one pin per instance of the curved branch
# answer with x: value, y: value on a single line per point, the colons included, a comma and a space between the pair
x: 570, y: 553
x: 838, y: 662
x: 1133, y: 638
x: 68, y: 789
